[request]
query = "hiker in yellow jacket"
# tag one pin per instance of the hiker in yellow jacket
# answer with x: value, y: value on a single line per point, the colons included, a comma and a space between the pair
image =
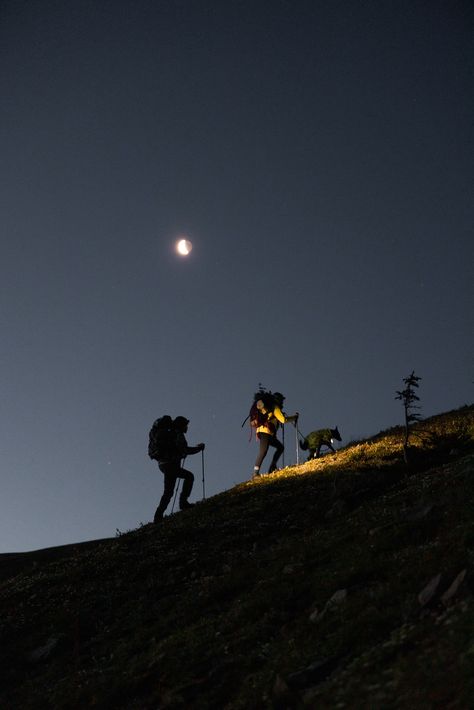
x: 266, y: 431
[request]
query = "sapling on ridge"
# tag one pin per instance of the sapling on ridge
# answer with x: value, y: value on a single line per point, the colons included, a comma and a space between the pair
x: 409, y: 399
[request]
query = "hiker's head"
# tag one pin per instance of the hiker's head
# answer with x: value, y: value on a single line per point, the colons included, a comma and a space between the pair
x: 279, y: 398
x: 181, y: 424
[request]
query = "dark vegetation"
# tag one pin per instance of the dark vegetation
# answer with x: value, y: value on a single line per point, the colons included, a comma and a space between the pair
x: 345, y: 582
x: 409, y: 399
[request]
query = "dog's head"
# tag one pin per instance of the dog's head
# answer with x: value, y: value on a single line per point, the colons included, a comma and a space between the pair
x: 335, y: 434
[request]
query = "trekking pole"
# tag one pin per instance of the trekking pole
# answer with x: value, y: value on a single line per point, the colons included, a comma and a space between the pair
x: 203, y: 483
x: 297, y: 447
x: 175, y: 494
x: 283, y: 437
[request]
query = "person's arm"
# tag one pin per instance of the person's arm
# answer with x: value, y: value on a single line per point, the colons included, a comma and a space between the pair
x: 194, y: 449
x: 283, y: 418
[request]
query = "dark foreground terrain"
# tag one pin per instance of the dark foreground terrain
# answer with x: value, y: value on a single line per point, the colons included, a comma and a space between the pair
x: 346, y: 582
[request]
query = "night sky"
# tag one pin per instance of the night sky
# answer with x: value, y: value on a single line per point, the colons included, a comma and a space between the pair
x: 319, y: 157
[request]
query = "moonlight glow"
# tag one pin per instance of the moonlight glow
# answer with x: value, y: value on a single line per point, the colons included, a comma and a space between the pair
x: 184, y: 247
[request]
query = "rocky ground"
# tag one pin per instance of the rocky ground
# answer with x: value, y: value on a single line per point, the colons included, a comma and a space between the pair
x: 345, y: 582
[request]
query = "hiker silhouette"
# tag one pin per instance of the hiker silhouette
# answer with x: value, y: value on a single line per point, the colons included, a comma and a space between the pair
x: 170, y: 456
x: 268, y: 416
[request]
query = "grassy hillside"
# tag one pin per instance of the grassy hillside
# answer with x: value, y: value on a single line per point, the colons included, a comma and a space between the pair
x: 346, y: 582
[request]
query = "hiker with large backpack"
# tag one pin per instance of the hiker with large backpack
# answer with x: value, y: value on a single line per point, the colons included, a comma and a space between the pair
x: 168, y: 446
x: 266, y: 415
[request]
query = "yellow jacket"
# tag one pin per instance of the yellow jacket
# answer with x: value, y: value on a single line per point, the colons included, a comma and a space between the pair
x: 274, y: 420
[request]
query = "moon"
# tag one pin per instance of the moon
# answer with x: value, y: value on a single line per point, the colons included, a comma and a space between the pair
x: 183, y: 247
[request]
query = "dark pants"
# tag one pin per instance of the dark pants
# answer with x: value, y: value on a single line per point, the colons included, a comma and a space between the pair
x: 173, y: 471
x: 267, y: 440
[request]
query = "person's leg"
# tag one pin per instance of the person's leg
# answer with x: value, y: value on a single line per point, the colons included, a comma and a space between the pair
x: 170, y: 472
x: 188, y: 480
x: 279, y: 448
x: 262, y: 452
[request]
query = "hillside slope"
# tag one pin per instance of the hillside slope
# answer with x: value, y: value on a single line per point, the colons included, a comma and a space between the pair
x: 346, y: 582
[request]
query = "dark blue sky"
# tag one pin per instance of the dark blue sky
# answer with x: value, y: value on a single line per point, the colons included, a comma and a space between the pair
x: 318, y: 155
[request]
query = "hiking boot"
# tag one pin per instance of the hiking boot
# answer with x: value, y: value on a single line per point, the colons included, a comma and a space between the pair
x: 255, y: 474
x: 158, y: 517
x: 184, y: 505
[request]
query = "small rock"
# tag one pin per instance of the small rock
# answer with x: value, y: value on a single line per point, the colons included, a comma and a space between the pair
x: 454, y: 587
x: 291, y: 569
x: 43, y: 652
x: 338, y: 597
x: 417, y: 513
x: 427, y: 594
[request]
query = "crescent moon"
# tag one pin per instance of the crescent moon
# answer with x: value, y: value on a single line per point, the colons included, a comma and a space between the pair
x: 184, y: 247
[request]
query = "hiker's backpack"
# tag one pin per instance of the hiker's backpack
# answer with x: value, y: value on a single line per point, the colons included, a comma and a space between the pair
x: 258, y: 416
x: 162, y: 438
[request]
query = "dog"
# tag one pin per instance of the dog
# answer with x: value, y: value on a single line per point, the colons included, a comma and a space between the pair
x: 321, y: 437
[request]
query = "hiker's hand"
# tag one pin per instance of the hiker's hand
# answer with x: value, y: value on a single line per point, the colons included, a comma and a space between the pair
x: 201, y: 447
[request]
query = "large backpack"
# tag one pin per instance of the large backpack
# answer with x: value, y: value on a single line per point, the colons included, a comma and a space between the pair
x: 162, y: 438
x: 259, y: 416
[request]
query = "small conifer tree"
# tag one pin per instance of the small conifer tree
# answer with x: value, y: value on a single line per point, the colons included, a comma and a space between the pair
x: 409, y: 399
